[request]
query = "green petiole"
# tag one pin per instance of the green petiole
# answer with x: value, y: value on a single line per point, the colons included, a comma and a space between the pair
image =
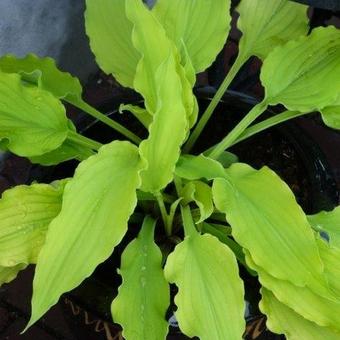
x: 266, y: 124
x: 164, y: 213
x: 229, y: 140
x: 188, y: 222
x: 83, y: 141
x: 241, y: 59
x: 106, y: 120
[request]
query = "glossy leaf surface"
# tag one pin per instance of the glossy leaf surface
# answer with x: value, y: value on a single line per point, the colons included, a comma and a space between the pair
x: 267, y: 24
x: 25, y: 213
x: 32, y: 121
x: 212, y: 307
x: 282, y: 319
x: 110, y: 33
x: 267, y: 221
x: 199, y: 25
x: 329, y: 222
x: 292, y: 73
x: 89, y: 225
x: 144, y: 295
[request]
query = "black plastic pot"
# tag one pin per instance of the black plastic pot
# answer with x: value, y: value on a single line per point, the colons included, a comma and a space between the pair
x: 286, y: 149
x: 333, y: 5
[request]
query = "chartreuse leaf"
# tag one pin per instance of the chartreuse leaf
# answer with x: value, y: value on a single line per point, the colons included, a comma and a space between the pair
x: 160, y: 84
x: 222, y: 233
x: 200, y: 193
x: 97, y: 204
x: 196, y: 167
x: 25, y: 213
x: 309, y: 304
x: 202, y: 26
x: 331, y: 115
x: 267, y: 221
x: 283, y: 320
x: 154, y: 48
x: 31, y: 119
x: 144, y: 295
x: 67, y: 151
x: 110, y: 33
x: 44, y: 73
x: 292, y: 73
x: 329, y: 222
x: 140, y: 113
x: 8, y: 274
x: 330, y: 257
x: 188, y: 79
x: 210, y: 293
x: 227, y: 158
x: 267, y: 24
x: 166, y: 133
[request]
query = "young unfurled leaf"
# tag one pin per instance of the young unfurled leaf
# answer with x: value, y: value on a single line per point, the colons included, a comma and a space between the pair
x: 187, y: 75
x: 283, y: 320
x: 309, y: 304
x: 154, y: 48
x: 32, y: 120
x: 200, y: 193
x: 267, y: 221
x: 144, y: 295
x: 202, y: 26
x: 91, y: 223
x: 266, y: 24
x: 8, y: 274
x: 160, y: 84
x: 167, y: 132
x: 292, y: 73
x: 210, y: 297
x: 44, y: 73
x: 25, y: 213
x: 196, y: 167
x: 329, y: 222
x: 110, y: 33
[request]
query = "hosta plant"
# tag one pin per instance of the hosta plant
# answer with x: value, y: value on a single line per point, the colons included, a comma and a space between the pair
x: 227, y: 214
